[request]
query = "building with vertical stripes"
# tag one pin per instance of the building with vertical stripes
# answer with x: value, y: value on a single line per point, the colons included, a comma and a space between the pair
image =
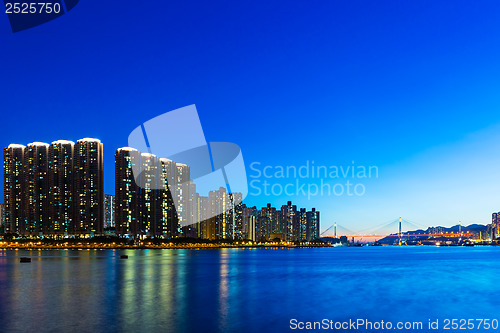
x: 36, y: 189
x: 126, y: 192
x: 60, y: 193
x: 88, y: 187
x: 13, y: 171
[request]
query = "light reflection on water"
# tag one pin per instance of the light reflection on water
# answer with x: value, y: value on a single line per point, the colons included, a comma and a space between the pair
x: 242, y: 290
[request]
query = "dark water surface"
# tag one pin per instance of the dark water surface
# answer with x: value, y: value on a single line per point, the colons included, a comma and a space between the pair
x: 244, y: 290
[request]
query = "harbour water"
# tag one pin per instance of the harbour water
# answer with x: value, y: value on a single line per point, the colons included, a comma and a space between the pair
x: 245, y: 290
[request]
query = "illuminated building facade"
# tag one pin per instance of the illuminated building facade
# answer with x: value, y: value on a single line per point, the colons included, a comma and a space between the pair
x: 249, y: 222
x: 495, y: 225
x: 109, y: 211
x: 153, y: 201
x: 88, y: 187
x: 42, y: 183
x: 312, y: 228
x: 287, y: 224
x: 13, y: 167
x: 36, y: 204
x: 150, y: 183
x: 191, y: 229
x: 237, y: 215
x: 303, y: 225
x: 291, y: 229
x: 57, y: 190
x: 262, y: 226
x: 202, y: 213
x: 60, y: 193
x: 170, y: 227
x: 274, y: 219
x: 220, y: 210
x: 126, y: 191
x: 182, y: 197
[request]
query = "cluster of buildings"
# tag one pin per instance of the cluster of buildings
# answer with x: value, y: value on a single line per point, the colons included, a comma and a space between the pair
x: 287, y: 223
x: 494, y: 227
x: 57, y: 190
x: 144, y: 206
x: 54, y: 189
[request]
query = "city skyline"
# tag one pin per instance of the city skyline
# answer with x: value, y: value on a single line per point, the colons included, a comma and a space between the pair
x: 477, y: 139
x: 471, y: 145
x: 409, y: 92
x: 57, y: 190
x: 61, y: 212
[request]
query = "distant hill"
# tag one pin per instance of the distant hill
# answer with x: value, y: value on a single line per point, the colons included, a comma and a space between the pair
x: 475, y: 228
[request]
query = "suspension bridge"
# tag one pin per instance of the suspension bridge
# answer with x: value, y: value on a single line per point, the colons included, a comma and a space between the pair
x: 395, y: 228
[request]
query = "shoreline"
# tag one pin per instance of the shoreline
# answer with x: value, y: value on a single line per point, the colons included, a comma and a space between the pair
x: 16, y: 247
x: 32, y: 247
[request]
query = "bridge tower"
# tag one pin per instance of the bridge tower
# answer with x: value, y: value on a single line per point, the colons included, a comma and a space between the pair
x: 335, y: 230
x: 399, y: 231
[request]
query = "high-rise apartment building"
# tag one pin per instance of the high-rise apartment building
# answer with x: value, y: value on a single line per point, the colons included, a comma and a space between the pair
x: 88, y: 187
x: 109, y: 211
x: 249, y: 222
x: 190, y: 229
x: 237, y: 214
x: 312, y: 218
x: 126, y: 191
x: 60, y: 192
x: 220, y: 210
x: 289, y: 215
x: 13, y: 168
x: 150, y: 183
x: 202, y: 216
x: 303, y: 225
x: 262, y: 226
x: 182, y: 197
x: 274, y: 219
x: 495, y: 225
x: 171, y: 227
x: 36, y: 190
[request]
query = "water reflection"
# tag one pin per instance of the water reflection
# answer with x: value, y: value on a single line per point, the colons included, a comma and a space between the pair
x: 241, y: 290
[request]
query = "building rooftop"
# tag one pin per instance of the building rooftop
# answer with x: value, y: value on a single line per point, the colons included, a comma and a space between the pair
x: 37, y: 143
x: 15, y: 145
x: 89, y: 140
x: 62, y: 142
x: 127, y: 149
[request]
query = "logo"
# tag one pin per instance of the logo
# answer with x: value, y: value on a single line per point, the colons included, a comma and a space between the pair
x: 28, y: 14
x: 176, y: 139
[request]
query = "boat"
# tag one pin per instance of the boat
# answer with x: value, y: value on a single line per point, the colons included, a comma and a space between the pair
x: 25, y: 259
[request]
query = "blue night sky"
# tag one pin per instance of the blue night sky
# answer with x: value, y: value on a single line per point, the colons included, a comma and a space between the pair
x: 411, y: 87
